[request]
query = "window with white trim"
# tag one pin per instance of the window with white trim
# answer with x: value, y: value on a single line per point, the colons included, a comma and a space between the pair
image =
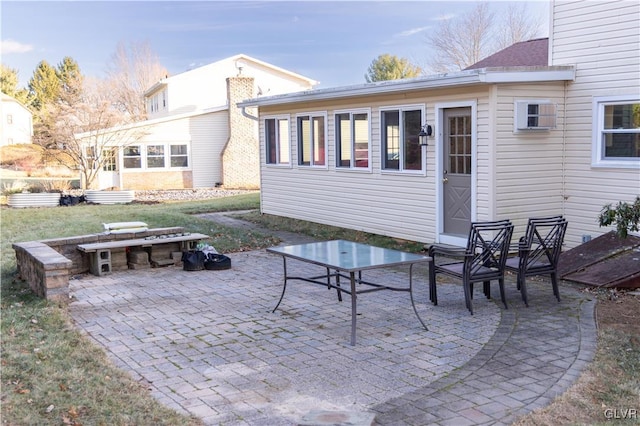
x: 277, y: 142
x: 155, y: 156
x: 132, y: 157
x: 179, y: 156
x: 311, y: 140
x: 352, y: 139
x: 401, y: 150
x: 616, y: 131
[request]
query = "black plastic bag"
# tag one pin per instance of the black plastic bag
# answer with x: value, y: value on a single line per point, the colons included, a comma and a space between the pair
x: 216, y: 262
x: 193, y: 260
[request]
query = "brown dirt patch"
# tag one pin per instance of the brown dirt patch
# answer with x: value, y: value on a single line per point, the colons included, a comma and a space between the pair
x: 619, y: 310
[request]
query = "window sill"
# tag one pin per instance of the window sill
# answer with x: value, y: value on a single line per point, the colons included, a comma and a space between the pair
x: 612, y: 164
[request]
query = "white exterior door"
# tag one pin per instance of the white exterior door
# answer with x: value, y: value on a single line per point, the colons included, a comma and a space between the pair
x: 109, y: 177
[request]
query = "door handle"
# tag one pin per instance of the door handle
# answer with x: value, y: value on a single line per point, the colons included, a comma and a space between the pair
x: 445, y: 180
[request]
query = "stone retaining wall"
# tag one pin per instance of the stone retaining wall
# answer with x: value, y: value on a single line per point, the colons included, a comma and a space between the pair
x: 47, y: 265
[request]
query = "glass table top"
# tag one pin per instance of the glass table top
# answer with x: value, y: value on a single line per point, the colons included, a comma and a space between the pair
x: 347, y: 255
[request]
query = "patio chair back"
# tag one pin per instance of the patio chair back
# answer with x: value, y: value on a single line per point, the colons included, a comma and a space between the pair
x: 539, y: 252
x: 482, y: 260
x: 488, y: 246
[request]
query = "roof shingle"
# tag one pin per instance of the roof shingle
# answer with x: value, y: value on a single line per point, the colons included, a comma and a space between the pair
x: 522, y: 54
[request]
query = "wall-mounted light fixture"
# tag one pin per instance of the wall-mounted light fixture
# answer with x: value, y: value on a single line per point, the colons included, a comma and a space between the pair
x: 425, y: 132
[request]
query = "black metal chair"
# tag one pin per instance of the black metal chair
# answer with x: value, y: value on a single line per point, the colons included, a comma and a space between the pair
x: 482, y: 260
x: 539, y: 252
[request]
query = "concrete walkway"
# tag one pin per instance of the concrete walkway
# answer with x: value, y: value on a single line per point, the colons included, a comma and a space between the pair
x: 207, y: 343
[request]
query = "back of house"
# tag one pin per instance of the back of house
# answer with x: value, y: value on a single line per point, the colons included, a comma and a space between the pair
x: 509, y: 139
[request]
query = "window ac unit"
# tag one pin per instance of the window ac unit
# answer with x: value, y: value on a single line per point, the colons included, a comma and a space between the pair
x: 535, y: 115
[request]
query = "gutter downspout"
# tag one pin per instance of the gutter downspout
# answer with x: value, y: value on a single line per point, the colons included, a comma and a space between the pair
x: 246, y: 114
x: 565, y: 197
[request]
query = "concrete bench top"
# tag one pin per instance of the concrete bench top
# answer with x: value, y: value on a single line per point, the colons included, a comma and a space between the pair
x: 140, y: 242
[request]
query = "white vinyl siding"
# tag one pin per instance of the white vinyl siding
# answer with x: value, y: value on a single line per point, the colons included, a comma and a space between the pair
x: 209, y: 135
x: 601, y: 40
x: 195, y: 141
x: 205, y: 87
x: 528, y: 165
x: 16, y: 126
x: 400, y: 205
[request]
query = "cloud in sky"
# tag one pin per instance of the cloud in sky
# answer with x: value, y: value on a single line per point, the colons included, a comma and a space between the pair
x: 412, y: 31
x: 11, y: 46
x: 444, y: 17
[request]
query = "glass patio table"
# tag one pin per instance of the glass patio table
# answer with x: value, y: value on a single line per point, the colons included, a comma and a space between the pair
x: 346, y: 259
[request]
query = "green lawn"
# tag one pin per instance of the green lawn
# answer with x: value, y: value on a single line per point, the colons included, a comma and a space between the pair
x: 51, y: 374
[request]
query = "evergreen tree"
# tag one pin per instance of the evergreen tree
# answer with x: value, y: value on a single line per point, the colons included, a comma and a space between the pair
x: 44, y: 86
x: 390, y: 67
x: 9, y: 84
x: 71, y: 79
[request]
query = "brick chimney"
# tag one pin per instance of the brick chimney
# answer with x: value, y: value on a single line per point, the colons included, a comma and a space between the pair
x: 241, y: 154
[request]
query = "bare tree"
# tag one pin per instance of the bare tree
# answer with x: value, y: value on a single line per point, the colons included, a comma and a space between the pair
x: 91, y: 131
x: 459, y: 43
x: 517, y: 25
x: 132, y: 70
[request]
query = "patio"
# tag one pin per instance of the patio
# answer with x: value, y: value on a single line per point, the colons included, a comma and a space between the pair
x: 207, y: 343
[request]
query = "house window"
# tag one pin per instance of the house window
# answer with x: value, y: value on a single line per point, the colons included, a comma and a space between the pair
x: 9, y: 119
x: 90, y: 155
x: 352, y: 139
x: 311, y: 140
x: 616, y: 132
x: 132, y: 158
x: 401, y: 148
x: 179, y: 156
x: 109, y: 163
x: 276, y: 133
x: 155, y: 156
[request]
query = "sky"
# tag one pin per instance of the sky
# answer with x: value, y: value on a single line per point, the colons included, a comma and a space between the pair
x: 332, y: 42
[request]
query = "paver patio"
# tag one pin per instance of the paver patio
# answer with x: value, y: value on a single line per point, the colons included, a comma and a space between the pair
x: 207, y: 343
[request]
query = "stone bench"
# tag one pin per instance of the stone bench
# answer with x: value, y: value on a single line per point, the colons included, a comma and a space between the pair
x: 45, y: 269
x: 100, y: 253
x: 47, y: 265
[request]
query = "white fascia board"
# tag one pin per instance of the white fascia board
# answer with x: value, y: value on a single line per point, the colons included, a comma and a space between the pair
x: 153, y: 121
x: 156, y: 87
x: 463, y: 78
x: 505, y: 75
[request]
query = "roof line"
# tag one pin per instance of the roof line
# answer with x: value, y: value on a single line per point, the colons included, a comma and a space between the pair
x: 461, y: 78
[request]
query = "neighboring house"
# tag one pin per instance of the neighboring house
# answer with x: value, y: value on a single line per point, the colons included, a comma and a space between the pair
x: 192, y: 139
x: 16, y: 126
x: 510, y: 139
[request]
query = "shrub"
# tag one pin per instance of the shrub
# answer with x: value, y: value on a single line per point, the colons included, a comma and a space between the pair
x: 625, y: 216
x: 14, y: 187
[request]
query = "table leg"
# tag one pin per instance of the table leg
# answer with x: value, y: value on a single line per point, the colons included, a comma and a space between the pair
x: 354, y: 296
x: 284, y: 287
x: 411, y: 294
x: 337, y: 283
